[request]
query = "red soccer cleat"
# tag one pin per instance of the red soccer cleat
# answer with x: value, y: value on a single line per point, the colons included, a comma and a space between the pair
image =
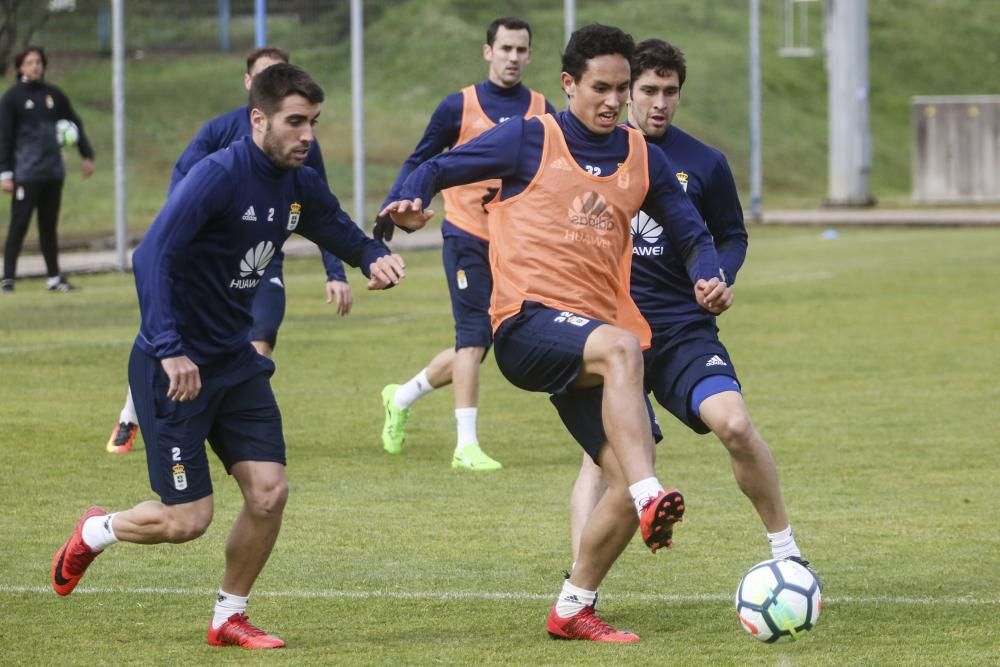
x: 587, y: 626
x: 658, y: 518
x: 239, y: 631
x: 73, y: 559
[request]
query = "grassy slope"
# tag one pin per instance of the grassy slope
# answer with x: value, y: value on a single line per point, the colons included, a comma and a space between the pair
x: 417, y: 52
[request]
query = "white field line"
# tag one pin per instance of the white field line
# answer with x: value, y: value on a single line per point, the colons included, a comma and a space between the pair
x: 488, y: 595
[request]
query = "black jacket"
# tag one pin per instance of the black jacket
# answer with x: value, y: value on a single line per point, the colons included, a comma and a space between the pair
x: 28, y: 147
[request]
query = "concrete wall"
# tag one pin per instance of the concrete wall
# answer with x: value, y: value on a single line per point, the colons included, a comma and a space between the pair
x: 955, y: 154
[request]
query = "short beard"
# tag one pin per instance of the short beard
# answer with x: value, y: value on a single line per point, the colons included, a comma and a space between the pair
x: 273, y: 151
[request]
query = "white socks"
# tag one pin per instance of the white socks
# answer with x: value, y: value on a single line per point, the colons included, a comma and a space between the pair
x: 466, y: 420
x: 408, y: 393
x: 98, y: 533
x: 573, y: 599
x: 128, y: 415
x: 783, y: 544
x: 643, y: 491
x: 227, y: 604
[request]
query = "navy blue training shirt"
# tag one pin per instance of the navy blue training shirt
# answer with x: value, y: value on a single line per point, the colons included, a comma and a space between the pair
x: 660, y: 286
x: 199, y: 265
x: 223, y: 130
x: 513, y: 152
x: 498, y: 103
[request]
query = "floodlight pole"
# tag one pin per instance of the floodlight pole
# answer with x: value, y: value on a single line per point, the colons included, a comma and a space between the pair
x: 118, y: 110
x: 260, y: 23
x: 756, y: 170
x: 358, y: 108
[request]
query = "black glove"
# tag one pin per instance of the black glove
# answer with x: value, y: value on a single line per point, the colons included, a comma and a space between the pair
x: 488, y: 197
x: 383, y: 228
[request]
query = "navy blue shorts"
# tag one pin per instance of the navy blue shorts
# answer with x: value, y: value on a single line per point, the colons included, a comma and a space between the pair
x: 580, y: 412
x: 679, y: 360
x: 235, y: 411
x: 269, y: 303
x: 541, y: 349
x: 470, y: 283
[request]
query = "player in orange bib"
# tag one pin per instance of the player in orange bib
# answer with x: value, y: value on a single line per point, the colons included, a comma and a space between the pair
x: 564, y: 322
x: 460, y: 118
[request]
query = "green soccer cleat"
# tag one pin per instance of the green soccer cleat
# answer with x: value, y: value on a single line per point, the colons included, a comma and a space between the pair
x: 472, y: 457
x: 394, y: 428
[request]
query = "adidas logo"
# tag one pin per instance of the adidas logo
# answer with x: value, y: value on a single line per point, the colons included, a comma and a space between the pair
x: 560, y: 164
x: 592, y: 210
x: 250, y: 215
x: 716, y: 360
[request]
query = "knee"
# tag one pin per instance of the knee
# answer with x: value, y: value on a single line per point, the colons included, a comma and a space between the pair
x: 624, y: 353
x: 737, y: 433
x: 188, y: 524
x: 267, y: 500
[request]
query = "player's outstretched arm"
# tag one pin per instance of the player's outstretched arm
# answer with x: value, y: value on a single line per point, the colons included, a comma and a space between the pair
x: 408, y: 213
x: 386, y: 271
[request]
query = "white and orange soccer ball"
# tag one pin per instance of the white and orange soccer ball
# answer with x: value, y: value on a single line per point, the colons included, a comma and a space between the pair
x: 778, y: 599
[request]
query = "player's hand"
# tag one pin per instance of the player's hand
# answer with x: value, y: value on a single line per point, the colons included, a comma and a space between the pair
x: 488, y: 197
x: 382, y: 228
x: 7, y: 185
x: 185, y: 379
x: 340, y: 291
x: 87, y: 167
x: 408, y: 213
x: 713, y: 295
x: 386, y: 271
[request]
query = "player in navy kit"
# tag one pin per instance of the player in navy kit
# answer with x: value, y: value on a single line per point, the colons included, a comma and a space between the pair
x: 458, y: 119
x: 269, y: 304
x: 688, y: 369
x: 193, y: 372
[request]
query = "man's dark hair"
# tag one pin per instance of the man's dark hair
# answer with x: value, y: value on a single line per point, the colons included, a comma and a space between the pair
x: 659, y: 56
x: 272, y: 52
x: 19, y: 58
x: 270, y: 88
x: 591, y: 41
x: 509, y: 22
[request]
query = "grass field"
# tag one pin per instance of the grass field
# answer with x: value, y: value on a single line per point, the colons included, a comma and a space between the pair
x: 868, y: 363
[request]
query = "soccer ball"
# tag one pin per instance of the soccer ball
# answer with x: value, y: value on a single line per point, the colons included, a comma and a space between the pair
x: 778, y: 598
x: 67, y: 133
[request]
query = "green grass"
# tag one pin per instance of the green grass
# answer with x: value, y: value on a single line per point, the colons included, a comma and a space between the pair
x: 868, y: 366
x: 418, y: 51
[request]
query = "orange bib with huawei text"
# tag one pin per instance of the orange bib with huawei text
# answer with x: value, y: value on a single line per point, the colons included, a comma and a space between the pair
x: 463, y: 204
x: 566, y: 240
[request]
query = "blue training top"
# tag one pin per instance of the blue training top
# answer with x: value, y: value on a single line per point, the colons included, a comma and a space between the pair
x: 660, y: 286
x: 199, y: 265
x: 513, y: 151
x: 498, y: 103
x: 223, y: 130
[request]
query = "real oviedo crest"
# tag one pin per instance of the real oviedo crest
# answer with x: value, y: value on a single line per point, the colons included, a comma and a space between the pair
x: 293, y: 216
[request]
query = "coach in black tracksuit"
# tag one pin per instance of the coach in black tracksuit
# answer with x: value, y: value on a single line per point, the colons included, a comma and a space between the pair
x: 31, y: 165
